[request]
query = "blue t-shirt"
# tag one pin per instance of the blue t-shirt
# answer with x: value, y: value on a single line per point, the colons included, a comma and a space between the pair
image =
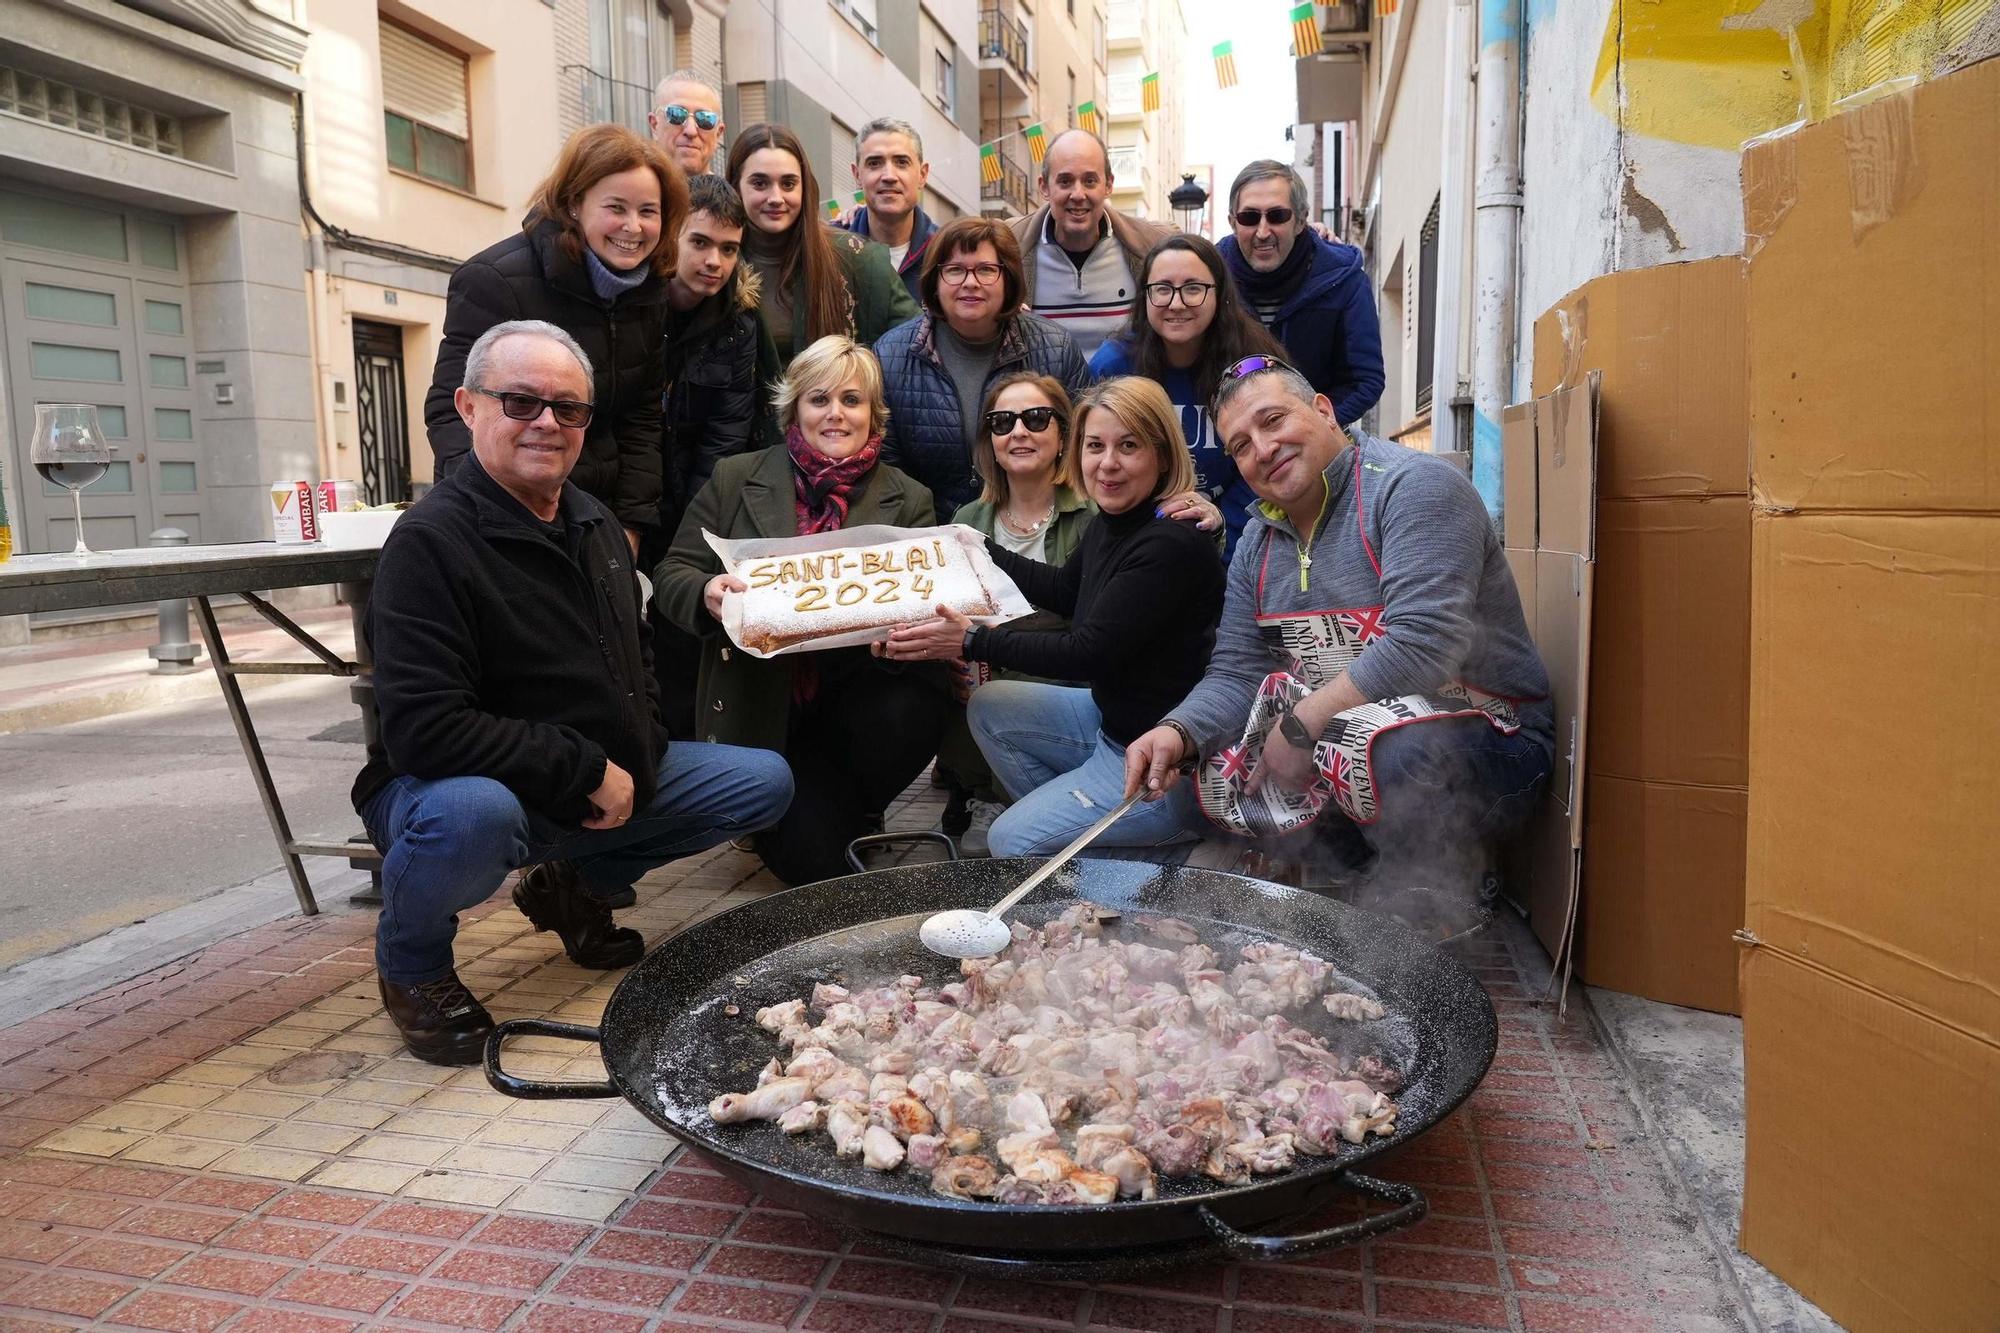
x: 1215, y: 473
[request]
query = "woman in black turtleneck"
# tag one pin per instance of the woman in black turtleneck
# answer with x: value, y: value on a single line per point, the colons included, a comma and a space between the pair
x: 1142, y: 595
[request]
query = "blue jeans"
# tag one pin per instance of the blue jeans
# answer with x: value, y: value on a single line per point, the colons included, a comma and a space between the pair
x: 448, y: 843
x: 1046, y: 746
x: 1447, y: 790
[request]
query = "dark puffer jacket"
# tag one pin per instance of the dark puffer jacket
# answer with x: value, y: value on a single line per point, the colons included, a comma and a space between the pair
x: 926, y: 434
x: 527, y: 276
x: 720, y: 367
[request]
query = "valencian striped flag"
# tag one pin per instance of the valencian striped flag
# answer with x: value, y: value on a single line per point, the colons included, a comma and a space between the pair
x: 1305, y: 30
x: 833, y: 208
x: 1225, y: 64
x: 1087, y: 118
x: 860, y: 196
x: 1038, y: 142
x: 989, y: 164
x: 1384, y: 8
x: 1149, y: 92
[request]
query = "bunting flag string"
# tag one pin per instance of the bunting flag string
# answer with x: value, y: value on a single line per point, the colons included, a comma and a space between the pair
x: 990, y: 170
x: 1038, y: 142
x: 833, y: 208
x: 1225, y: 64
x: 1088, y: 118
x: 1305, y: 30
x: 1149, y: 92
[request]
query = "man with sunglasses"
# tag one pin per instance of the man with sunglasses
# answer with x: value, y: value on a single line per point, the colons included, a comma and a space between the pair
x: 1374, y: 698
x: 686, y: 120
x: 520, y: 720
x: 1309, y: 291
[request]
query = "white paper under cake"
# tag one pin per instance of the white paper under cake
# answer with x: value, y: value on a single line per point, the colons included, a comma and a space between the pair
x: 837, y: 589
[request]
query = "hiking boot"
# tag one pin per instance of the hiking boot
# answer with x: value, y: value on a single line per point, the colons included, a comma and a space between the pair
x: 441, y: 1021
x: 554, y: 897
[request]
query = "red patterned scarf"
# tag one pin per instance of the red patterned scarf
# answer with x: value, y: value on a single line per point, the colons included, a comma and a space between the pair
x: 822, y: 486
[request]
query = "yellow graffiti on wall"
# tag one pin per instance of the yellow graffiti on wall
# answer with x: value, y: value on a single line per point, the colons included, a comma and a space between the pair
x: 1718, y: 72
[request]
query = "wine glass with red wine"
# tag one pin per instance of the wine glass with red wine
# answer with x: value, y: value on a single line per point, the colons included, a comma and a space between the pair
x: 70, y: 450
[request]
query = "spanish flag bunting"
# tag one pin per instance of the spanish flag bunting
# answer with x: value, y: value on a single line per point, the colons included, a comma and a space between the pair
x: 1225, y: 64
x: 1086, y: 117
x: 1305, y: 30
x: 1038, y: 142
x: 989, y: 164
x: 1149, y: 92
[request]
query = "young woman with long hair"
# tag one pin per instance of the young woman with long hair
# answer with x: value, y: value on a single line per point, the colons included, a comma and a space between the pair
x: 817, y: 282
x: 1188, y: 326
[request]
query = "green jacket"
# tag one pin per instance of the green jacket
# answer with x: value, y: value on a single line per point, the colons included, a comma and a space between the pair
x: 877, y: 300
x: 1073, y: 514
x: 741, y: 699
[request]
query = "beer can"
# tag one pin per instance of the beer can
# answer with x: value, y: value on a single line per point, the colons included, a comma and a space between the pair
x: 294, y: 513
x: 337, y: 497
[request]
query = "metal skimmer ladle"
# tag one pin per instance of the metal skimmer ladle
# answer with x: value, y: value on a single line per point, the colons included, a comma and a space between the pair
x: 965, y: 933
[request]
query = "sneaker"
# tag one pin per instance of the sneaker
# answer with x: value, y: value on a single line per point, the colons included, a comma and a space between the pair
x: 972, y: 842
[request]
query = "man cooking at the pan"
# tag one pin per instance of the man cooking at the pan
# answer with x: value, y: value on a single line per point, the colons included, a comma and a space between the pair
x: 1373, y: 687
x: 520, y: 716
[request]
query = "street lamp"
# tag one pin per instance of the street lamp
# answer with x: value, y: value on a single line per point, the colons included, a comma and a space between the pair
x: 1188, y: 200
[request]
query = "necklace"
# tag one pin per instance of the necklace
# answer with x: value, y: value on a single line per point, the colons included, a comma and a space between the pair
x: 1031, y: 529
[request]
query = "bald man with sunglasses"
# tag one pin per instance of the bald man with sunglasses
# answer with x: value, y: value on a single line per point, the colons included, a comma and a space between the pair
x: 520, y: 718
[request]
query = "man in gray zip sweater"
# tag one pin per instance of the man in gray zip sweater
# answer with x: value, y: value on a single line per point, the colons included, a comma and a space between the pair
x: 1373, y: 673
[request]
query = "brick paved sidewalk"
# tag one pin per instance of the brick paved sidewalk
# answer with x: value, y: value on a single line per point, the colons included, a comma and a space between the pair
x: 236, y: 1141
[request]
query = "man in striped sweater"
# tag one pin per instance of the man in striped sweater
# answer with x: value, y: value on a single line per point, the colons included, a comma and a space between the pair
x: 1081, y: 256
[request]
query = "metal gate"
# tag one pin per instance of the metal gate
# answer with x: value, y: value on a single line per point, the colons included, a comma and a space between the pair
x: 382, y: 410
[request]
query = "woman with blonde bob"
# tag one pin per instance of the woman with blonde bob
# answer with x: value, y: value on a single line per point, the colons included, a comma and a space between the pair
x: 1142, y: 595
x: 856, y: 729
x: 592, y: 258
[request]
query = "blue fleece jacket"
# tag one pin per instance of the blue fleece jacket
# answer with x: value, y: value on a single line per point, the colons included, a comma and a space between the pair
x: 911, y: 270
x: 1328, y: 323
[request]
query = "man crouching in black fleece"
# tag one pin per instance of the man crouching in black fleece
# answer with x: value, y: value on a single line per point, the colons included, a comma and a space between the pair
x: 520, y: 717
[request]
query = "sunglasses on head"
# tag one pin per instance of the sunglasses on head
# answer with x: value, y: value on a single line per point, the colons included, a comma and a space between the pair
x: 1251, y: 217
x: 526, y: 407
x: 678, y: 114
x: 1035, y: 418
x: 1254, y: 365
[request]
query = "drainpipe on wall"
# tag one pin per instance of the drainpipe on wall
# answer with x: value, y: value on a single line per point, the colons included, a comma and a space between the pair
x: 1496, y: 236
x: 1454, y: 203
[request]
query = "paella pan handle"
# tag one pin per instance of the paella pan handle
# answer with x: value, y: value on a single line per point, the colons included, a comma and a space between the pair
x: 528, y: 1089
x: 1410, y: 1209
x: 862, y: 844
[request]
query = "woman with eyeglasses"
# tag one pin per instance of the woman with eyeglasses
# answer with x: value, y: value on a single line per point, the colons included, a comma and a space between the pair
x: 941, y: 367
x: 1142, y: 595
x: 592, y: 258
x: 1190, y: 323
x: 855, y: 729
x: 1026, y: 505
x: 817, y: 282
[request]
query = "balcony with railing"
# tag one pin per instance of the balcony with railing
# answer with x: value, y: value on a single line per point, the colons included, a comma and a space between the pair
x: 1011, y: 190
x: 1123, y: 97
x: 1124, y: 24
x: 1003, y: 48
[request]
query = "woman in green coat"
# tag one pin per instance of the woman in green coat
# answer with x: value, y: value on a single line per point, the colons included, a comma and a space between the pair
x: 816, y: 281
x: 856, y: 729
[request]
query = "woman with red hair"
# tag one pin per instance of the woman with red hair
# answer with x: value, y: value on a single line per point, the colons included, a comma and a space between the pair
x: 592, y: 258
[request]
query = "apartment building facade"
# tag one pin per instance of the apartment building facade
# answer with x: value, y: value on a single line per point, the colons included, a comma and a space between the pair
x: 1144, y: 37
x: 1039, y: 61
x: 149, y: 263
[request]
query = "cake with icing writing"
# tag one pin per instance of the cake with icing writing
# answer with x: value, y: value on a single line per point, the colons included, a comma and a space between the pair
x: 796, y: 598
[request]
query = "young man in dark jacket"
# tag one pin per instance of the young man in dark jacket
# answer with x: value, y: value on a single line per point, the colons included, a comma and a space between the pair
x: 1311, y: 293
x: 520, y: 723
x: 720, y: 366
x: 889, y: 167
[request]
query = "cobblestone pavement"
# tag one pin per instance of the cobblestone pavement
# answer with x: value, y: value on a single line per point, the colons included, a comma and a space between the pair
x: 236, y: 1141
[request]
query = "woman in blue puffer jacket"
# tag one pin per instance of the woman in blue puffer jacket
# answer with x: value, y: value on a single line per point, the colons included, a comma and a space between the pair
x: 938, y: 367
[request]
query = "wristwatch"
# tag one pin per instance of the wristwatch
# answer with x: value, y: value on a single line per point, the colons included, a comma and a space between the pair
x: 965, y: 649
x: 1294, y: 730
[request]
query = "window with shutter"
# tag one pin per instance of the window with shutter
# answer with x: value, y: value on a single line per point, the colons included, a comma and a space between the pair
x: 426, y: 113
x: 753, y: 104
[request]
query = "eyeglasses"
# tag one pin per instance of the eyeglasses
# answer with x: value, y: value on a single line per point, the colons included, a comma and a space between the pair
x: 1250, y: 217
x: 956, y: 274
x: 1253, y: 365
x: 1001, y: 422
x: 526, y: 407
x: 1192, y: 294
x: 678, y: 115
